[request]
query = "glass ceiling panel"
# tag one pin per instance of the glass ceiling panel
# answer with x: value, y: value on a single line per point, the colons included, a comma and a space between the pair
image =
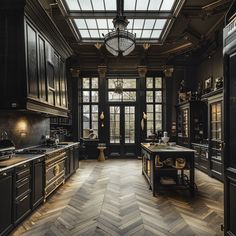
x: 154, y: 5
x: 110, y: 24
x: 138, y: 23
x: 80, y: 23
x: 130, y: 25
x: 160, y: 23
x: 85, y: 5
x: 142, y: 5
x: 110, y: 5
x: 102, y: 23
x: 97, y: 5
x: 84, y: 33
x: 129, y: 5
x: 103, y: 32
x: 73, y: 5
x: 156, y: 34
x: 149, y: 23
x: 167, y: 5
x: 138, y: 33
x: 91, y: 23
x: 146, y: 33
x: 94, y: 33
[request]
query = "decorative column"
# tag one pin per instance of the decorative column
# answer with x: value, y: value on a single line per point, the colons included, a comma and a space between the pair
x: 103, y: 109
x: 142, y: 71
x: 74, y: 106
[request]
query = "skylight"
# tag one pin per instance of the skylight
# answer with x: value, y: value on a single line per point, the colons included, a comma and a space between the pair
x: 143, y: 28
x: 148, y: 19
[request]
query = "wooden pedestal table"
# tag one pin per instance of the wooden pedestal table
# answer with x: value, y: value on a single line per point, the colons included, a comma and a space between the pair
x: 101, y: 156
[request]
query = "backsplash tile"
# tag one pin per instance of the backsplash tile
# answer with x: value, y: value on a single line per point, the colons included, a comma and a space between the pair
x: 24, y: 129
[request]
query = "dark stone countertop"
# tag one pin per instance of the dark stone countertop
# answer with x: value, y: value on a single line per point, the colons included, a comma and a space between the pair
x: 19, y: 159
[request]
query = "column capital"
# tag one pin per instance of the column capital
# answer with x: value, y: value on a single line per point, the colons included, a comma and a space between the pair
x: 142, y: 71
x: 75, y: 72
x: 102, y: 70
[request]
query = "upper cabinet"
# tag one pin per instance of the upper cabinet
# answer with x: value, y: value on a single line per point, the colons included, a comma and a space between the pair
x: 33, y: 62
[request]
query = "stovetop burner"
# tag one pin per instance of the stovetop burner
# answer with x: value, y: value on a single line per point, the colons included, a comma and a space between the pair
x: 32, y: 151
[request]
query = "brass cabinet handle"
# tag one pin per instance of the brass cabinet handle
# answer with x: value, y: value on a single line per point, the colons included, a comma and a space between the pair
x: 24, y: 198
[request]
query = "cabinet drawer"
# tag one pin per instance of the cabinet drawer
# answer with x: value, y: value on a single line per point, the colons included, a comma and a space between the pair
x: 22, y: 171
x: 22, y: 207
x: 23, y: 186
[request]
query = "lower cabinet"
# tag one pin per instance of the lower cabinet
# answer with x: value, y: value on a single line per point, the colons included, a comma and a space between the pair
x: 201, y: 157
x: 6, y: 200
x: 72, y: 160
x: 37, y: 182
x: 76, y: 156
x: 23, y: 192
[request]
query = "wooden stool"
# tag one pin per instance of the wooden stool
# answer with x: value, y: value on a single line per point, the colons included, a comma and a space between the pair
x: 101, y: 156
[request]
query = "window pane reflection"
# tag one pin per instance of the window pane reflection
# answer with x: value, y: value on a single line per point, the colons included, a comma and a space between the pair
x: 129, y: 124
x: 114, y: 124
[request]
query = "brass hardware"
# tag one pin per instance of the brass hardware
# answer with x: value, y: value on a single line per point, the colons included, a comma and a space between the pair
x: 24, y: 198
x: 56, y: 170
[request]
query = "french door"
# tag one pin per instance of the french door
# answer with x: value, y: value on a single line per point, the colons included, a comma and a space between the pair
x: 122, y: 130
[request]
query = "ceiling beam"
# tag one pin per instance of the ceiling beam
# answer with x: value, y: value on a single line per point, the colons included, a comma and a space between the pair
x: 112, y: 14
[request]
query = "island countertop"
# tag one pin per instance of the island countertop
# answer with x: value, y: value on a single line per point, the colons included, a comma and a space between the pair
x: 157, y: 148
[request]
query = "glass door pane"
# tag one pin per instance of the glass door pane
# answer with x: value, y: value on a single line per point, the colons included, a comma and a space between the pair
x: 129, y: 124
x: 114, y: 124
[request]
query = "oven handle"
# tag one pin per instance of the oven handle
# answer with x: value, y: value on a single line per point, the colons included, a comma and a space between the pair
x: 54, y: 163
x: 55, y: 158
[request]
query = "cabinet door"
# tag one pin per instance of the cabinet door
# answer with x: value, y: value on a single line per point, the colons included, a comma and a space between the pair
x: 6, y: 204
x: 230, y: 141
x: 57, y: 79
x: 76, y: 157
x: 63, y: 84
x: 42, y: 69
x: 32, y: 62
x: 38, y: 183
x: 72, y: 162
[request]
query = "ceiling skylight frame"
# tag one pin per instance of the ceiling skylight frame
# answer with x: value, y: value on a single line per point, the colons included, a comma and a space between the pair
x: 147, y: 15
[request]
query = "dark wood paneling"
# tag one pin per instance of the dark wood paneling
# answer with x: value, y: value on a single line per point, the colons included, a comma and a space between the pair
x: 37, y: 183
x: 6, y: 216
x: 32, y: 67
x: 42, y: 69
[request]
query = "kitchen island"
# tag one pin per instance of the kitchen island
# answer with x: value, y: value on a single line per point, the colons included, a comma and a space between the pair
x: 168, y: 167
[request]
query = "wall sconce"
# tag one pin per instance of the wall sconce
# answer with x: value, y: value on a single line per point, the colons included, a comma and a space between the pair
x: 102, y: 117
x: 22, y: 128
x: 144, y: 116
x: 143, y: 119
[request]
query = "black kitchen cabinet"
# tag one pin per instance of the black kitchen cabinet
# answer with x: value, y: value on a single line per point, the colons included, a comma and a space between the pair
x: 76, y: 156
x: 37, y: 182
x: 201, y: 157
x: 215, y: 132
x: 69, y: 162
x: 6, y: 200
x: 191, y: 123
x: 32, y: 71
x: 72, y: 160
x: 23, y: 192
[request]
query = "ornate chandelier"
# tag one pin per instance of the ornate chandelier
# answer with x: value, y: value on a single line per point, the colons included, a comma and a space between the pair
x: 120, y: 41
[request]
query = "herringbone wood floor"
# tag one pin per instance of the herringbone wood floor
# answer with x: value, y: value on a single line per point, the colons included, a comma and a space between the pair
x: 113, y: 198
